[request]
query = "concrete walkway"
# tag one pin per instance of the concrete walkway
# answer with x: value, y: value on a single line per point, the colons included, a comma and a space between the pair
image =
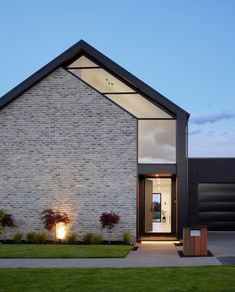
x: 147, y: 255
x: 222, y: 246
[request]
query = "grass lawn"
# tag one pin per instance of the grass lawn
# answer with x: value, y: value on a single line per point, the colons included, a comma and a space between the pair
x: 217, y: 278
x: 62, y: 251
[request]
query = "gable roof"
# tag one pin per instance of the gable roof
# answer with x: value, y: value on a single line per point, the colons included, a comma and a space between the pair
x: 74, y: 52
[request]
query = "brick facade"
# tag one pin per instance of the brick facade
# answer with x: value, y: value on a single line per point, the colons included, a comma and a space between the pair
x: 65, y: 146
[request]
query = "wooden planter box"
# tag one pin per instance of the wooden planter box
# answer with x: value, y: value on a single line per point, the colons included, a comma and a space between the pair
x: 195, y: 241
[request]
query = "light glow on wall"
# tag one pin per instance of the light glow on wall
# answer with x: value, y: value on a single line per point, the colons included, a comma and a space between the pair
x: 60, y: 231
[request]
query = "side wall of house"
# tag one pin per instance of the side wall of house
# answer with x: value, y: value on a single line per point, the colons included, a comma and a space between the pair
x: 64, y: 146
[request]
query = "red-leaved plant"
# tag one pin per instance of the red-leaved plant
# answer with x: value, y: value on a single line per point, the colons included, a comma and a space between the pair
x: 109, y: 220
x: 50, y: 218
x: 6, y: 220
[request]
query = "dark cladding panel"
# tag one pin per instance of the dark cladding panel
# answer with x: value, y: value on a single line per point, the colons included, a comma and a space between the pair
x: 221, y: 225
x: 212, y: 193
x: 216, y: 188
x: 216, y: 205
x: 207, y: 217
x: 216, y: 197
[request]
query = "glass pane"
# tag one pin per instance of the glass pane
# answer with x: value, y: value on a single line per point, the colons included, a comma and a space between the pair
x: 157, y: 141
x: 158, y: 205
x: 83, y: 62
x: 138, y: 105
x: 101, y: 80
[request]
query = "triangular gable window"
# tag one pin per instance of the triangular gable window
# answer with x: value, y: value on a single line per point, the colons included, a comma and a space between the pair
x: 156, y: 127
x: 116, y: 90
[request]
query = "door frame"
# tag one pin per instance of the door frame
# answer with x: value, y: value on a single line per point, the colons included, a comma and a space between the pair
x: 141, y: 207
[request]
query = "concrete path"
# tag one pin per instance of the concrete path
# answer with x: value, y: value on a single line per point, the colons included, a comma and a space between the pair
x: 147, y: 255
x: 222, y: 246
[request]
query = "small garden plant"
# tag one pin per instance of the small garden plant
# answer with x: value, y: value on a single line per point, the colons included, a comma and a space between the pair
x: 96, y: 239
x: 6, y: 221
x: 72, y: 238
x: 1, y: 216
x: 91, y: 238
x: 17, y: 238
x: 108, y: 221
x: 41, y: 237
x: 126, y: 237
x: 31, y: 237
x: 37, y: 237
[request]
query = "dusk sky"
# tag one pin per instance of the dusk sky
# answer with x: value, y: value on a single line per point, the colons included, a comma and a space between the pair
x: 185, y: 49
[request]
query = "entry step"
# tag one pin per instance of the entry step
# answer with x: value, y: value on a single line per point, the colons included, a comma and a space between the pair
x: 158, y: 238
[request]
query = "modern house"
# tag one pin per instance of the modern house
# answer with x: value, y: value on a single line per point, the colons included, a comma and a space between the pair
x: 84, y: 136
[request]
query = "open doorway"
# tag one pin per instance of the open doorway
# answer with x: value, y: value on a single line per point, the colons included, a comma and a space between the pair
x: 158, y: 205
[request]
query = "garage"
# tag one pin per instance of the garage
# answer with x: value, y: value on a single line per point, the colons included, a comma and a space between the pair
x: 216, y: 206
x: 211, y: 191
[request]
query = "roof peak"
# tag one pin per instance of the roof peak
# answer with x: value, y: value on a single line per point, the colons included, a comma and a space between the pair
x: 78, y: 49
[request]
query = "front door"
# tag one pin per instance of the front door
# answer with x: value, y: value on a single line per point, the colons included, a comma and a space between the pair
x: 157, y: 206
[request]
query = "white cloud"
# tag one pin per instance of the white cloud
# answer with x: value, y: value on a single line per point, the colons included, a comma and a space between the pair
x: 212, y: 118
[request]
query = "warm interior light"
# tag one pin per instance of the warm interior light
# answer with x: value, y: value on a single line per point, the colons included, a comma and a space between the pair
x: 60, y: 231
x: 159, y: 242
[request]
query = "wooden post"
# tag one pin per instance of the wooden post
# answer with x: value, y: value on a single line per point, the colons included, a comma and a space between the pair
x: 195, y: 241
x: 201, y: 243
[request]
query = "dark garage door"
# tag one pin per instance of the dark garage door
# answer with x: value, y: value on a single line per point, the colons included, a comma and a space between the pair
x: 216, y: 206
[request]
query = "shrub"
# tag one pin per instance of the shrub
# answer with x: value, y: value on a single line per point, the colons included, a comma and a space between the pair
x: 17, y: 237
x: 41, y: 237
x: 126, y: 237
x: 72, y: 238
x: 96, y: 239
x: 50, y: 218
x: 31, y: 237
x: 87, y: 238
x: 91, y: 238
x: 2, y: 214
x: 6, y: 220
x: 37, y: 237
x: 109, y: 220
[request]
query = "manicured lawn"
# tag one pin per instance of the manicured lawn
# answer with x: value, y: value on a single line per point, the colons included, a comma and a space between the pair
x: 129, y: 279
x: 62, y: 251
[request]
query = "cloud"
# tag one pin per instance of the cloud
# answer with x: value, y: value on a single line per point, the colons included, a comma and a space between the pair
x: 213, y: 118
x: 195, y: 132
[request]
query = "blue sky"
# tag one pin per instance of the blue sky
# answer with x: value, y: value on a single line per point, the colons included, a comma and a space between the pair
x: 185, y: 49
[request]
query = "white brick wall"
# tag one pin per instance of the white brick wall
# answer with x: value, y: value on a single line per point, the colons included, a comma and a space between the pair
x: 65, y: 146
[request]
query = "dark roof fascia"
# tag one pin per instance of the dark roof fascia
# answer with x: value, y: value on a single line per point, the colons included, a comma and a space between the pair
x: 130, y: 78
x: 40, y: 74
x: 78, y: 49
